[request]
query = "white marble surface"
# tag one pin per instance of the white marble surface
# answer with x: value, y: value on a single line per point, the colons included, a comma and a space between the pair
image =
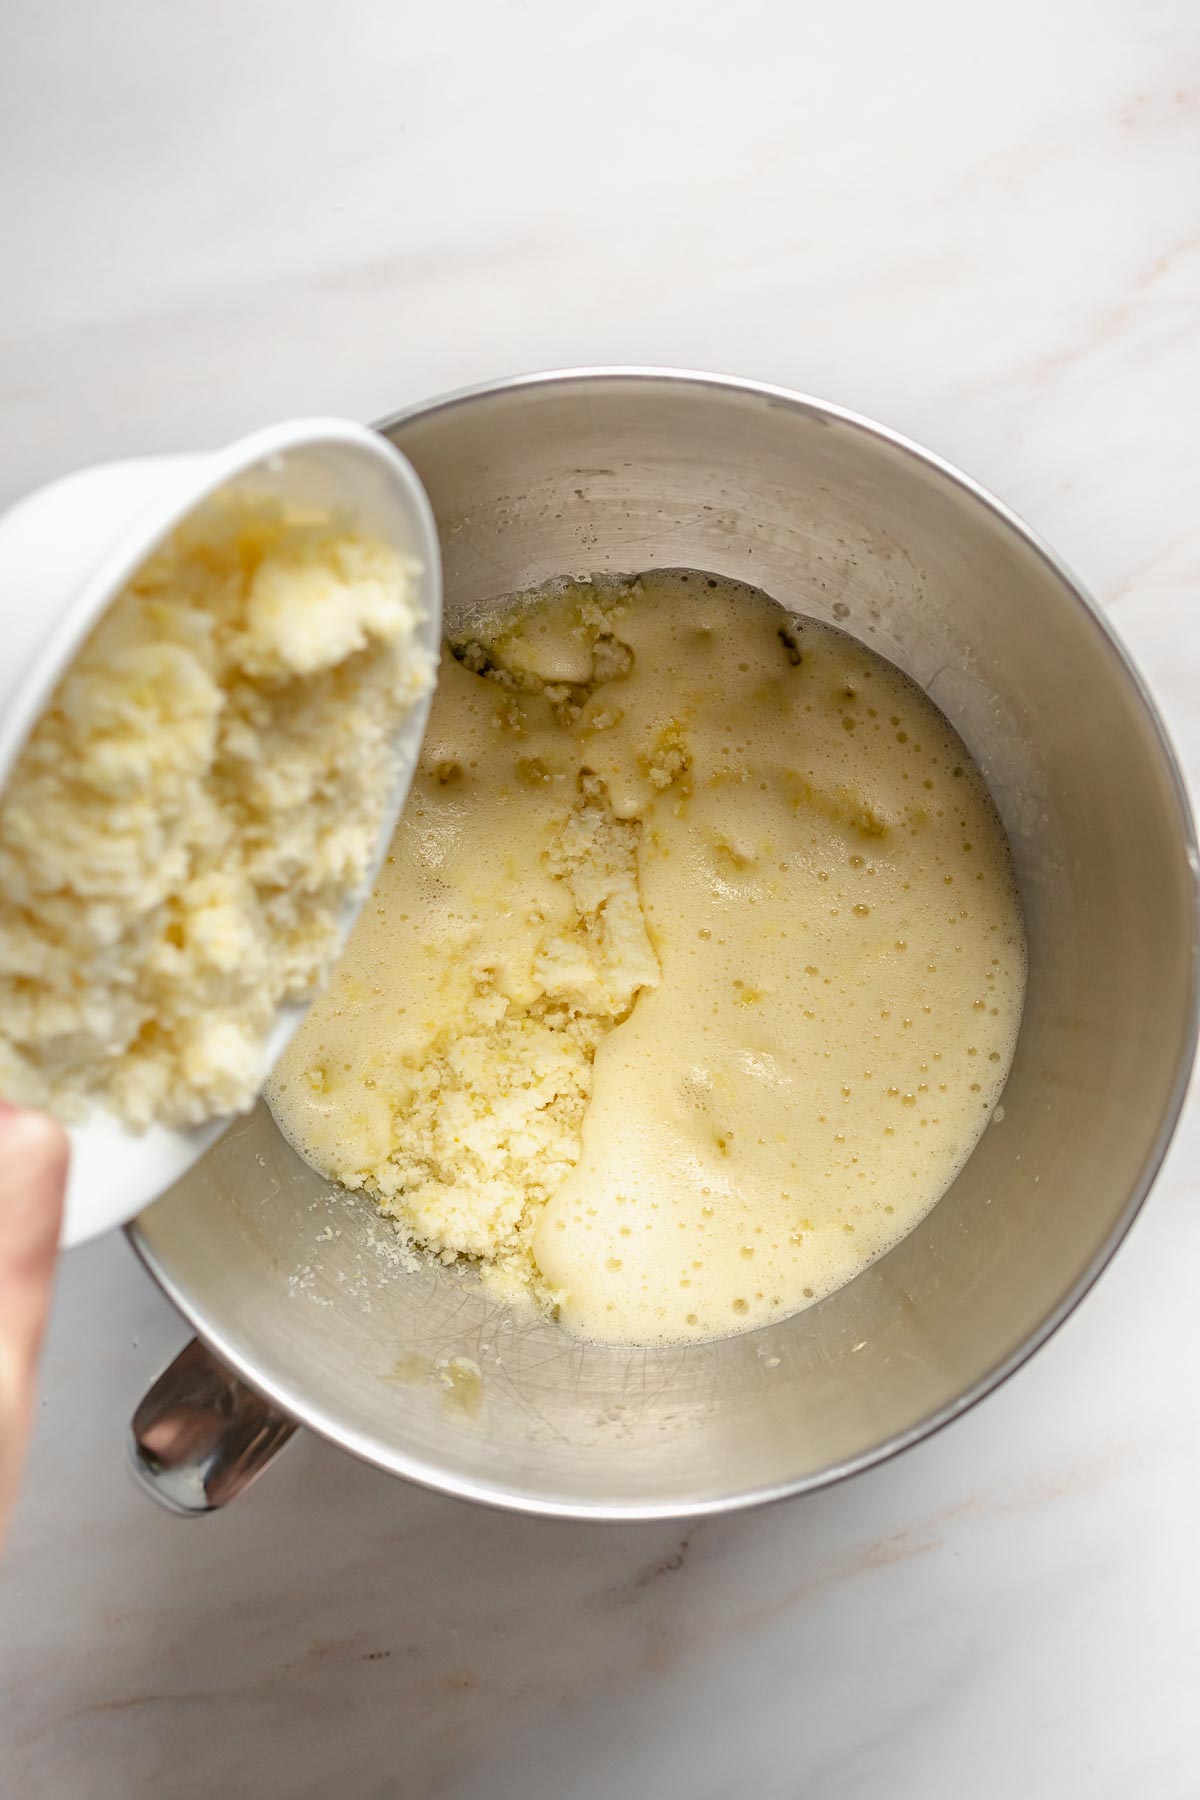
x: 979, y: 224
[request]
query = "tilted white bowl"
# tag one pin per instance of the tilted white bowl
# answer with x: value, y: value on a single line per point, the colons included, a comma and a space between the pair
x: 66, y: 552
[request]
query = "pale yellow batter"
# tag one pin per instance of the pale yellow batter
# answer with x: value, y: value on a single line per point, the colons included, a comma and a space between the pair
x: 693, y: 977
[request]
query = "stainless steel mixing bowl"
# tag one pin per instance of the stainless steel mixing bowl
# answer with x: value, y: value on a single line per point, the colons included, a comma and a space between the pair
x: 623, y: 470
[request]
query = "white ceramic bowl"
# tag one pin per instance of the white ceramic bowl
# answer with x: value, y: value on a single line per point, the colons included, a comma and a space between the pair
x: 65, y: 554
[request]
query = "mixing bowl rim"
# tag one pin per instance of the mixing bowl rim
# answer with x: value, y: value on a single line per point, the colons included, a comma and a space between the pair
x: 427, y: 1474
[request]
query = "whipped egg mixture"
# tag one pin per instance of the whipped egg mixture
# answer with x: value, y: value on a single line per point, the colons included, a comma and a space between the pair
x: 694, y: 973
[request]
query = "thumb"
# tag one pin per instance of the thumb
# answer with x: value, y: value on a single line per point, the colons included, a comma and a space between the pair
x: 33, y: 1173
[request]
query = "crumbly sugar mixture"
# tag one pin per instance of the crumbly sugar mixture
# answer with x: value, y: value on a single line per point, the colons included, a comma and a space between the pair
x: 202, y: 794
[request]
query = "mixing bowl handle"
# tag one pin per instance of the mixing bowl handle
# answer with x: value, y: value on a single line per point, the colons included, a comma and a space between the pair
x: 200, y: 1435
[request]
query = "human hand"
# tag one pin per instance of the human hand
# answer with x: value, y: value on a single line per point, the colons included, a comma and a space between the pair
x: 33, y: 1175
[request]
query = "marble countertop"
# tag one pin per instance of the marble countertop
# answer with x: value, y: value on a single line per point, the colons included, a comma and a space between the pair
x: 979, y: 225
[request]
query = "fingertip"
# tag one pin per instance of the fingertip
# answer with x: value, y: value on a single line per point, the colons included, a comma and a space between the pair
x: 36, y: 1133
x: 34, y: 1153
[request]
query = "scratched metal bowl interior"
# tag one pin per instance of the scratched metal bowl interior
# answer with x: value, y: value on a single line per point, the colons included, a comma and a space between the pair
x: 623, y: 471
